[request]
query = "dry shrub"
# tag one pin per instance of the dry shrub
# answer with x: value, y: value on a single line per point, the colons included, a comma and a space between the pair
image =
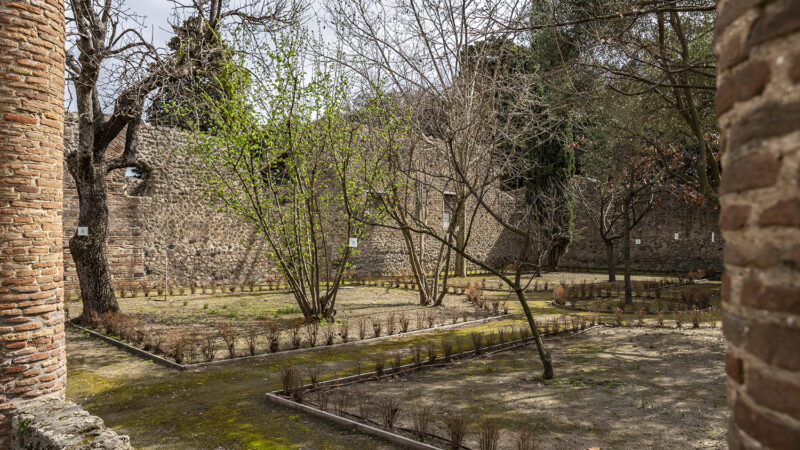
x: 363, y: 403
x: 679, y: 318
x: 273, y: 333
x: 341, y: 402
x: 344, y: 330
x: 177, y: 342
x: 421, y: 416
x: 430, y: 318
x: 379, y: 361
x: 475, y: 295
x: 228, y: 335
x: 154, y: 342
x: 330, y: 332
x: 496, y: 307
x: 561, y: 294
x: 294, y: 333
x: 313, y: 374
x: 416, y: 354
x: 696, y: 315
x: 362, y: 328
x: 397, y: 361
x: 430, y: 348
x: 376, y: 327
x: 464, y: 315
x: 456, y: 426
x: 404, y: 322
x: 447, y: 349
x: 660, y: 318
x: 251, y: 334
x: 388, y: 407
x: 488, y: 434
x: 390, y: 324
x: 290, y: 377
x: 208, y: 347
x: 618, y: 316
x: 477, y: 341
x: 312, y: 331
x: 640, y: 317
x: 323, y: 397
x: 526, y: 440
x: 712, y: 319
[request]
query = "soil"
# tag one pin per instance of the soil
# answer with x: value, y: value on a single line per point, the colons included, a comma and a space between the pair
x: 614, y: 388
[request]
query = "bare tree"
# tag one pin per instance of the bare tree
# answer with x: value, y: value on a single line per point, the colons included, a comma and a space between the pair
x: 114, y: 67
x: 427, y: 54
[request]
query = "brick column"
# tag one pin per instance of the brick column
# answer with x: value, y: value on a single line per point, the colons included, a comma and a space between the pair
x: 758, y: 106
x: 33, y: 359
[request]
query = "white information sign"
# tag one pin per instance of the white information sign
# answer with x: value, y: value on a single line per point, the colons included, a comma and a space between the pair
x: 638, y: 242
x: 83, y: 231
x: 353, y: 242
x: 676, y: 236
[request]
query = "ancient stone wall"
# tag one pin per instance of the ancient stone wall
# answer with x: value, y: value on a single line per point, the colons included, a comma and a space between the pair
x: 758, y: 106
x: 654, y: 246
x: 32, y: 358
x: 204, y: 246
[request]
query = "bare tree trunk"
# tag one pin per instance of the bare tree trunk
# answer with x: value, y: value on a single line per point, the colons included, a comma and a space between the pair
x: 546, y: 358
x: 416, y: 268
x: 460, y: 264
x: 627, y: 252
x: 89, y: 252
x: 611, y: 260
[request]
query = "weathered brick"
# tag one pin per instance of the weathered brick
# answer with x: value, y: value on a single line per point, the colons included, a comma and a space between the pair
x: 775, y: 298
x: 765, y: 429
x: 744, y: 83
x: 750, y: 172
x: 785, y: 213
x: 780, y: 19
x: 734, y: 217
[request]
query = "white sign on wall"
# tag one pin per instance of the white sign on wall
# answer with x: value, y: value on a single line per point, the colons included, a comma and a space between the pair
x: 353, y: 242
x: 638, y: 241
x: 676, y: 236
x: 712, y: 236
x: 83, y: 231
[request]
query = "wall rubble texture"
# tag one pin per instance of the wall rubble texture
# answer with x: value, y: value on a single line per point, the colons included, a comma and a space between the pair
x: 758, y: 106
x: 211, y: 247
x: 33, y: 359
x: 54, y: 424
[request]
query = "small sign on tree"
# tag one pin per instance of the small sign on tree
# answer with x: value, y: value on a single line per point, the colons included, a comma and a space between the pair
x: 353, y: 242
x: 83, y: 231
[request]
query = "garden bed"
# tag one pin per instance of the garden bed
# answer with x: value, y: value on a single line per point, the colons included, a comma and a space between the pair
x: 620, y: 387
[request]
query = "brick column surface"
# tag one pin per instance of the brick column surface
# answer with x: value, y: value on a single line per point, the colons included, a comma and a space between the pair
x: 758, y: 106
x: 32, y: 358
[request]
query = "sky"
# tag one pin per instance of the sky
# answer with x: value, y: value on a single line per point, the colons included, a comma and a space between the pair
x: 156, y: 16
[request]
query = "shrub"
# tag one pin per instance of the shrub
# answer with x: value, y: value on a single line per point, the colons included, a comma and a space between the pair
x: 273, y: 336
x: 294, y: 333
x: 251, y: 333
x: 488, y: 434
x: 177, y: 346
x: 344, y: 330
x: 430, y: 348
x: 561, y: 294
x: 379, y: 362
x: 323, y: 396
x: 416, y: 353
x: 312, y: 331
x: 640, y: 317
x: 289, y: 378
x: 397, y: 361
x: 388, y: 407
x: 430, y: 318
x: 475, y: 294
x: 341, y: 402
x: 404, y: 322
x: 363, y: 403
x: 618, y: 316
x: 208, y: 347
x: 526, y: 440
x: 696, y: 315
x: 447, y: 349
x: 390, y: 324
x: 228, y: 335
x: 660, y: 318
x: 362, y: 328
x: 376, y: 326
x: 330, y: 332
x: 313, y: 374
x: 679, y: 318
x: 456, y: 427
x: 421, y: 416
x: 496, y: 307
x: 477, y: 340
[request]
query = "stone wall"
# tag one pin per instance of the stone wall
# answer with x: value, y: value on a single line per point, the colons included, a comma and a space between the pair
x: 758, y: 106
x: 55, y: 424
x: 698, y: 246
x: 205, y: 246
x: 32, y: 359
